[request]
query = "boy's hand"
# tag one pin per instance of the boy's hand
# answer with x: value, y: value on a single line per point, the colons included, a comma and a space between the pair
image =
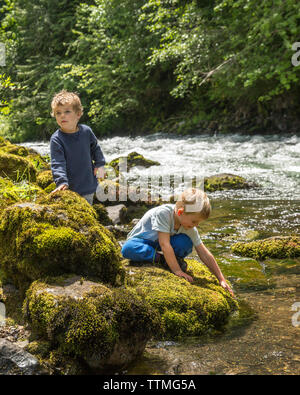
x: 224, y: 284
x: 180, y: 273
x: 62, y: 187
x: 99, y: 172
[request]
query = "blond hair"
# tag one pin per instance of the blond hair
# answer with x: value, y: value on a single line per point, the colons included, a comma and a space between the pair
x: 64, y: 97
x: 194, y: 201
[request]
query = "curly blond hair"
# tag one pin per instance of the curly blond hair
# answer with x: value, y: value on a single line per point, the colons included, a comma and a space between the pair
x: 64, y: 97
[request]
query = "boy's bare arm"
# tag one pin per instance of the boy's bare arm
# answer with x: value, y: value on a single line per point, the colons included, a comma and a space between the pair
x: 167, y: 249
x: 208, y: 259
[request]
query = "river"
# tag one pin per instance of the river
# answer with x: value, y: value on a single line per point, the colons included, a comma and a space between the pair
x: 265, y: 337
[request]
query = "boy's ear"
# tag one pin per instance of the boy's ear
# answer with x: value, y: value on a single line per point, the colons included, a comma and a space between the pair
x: 180, y: 211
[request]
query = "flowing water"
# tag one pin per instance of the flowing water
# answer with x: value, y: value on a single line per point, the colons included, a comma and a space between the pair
x: 265, y: 337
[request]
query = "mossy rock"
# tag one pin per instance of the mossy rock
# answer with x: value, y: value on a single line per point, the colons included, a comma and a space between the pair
x: 245, y: 274
x: 102, y: 214
x: 133, y: 159
x: 185, y: 309
x: 220, y: 182
x: 11, y: 193
x: 104, y: 327
x: 20, y: 163
x: 50, y: 188
x: 17, y: 168
x: 44, y: 179
x: 30, y: 154
x: 57, y: 234
x: 272, y: 247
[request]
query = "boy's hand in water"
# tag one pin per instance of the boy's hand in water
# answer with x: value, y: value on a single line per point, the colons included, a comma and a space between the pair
x: 224, y: 284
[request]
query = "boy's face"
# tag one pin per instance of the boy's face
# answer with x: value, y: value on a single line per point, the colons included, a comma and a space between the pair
x: 188, y: 221
x: 67, y: 118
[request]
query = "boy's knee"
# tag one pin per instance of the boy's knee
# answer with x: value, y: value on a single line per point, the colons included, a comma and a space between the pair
x: 131, y: 248
x: 182, y: 244
x: 126, y: 249
x: 184, y: 240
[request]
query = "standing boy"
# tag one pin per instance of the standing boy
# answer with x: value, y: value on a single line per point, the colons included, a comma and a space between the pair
x: 76, y: 157
x: 168, y: 233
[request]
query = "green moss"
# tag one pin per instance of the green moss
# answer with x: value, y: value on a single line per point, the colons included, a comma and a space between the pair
x: 89, y: 323
x: 44, y: 179
x: 133, y: 159
x: 58, y: 235
x: 245, y: 273
x: 220, y: 182
x: 102, y: 214
x: 273, y: 247
x: 30, y: 154
x: 11, y: 192
x: 17, y: 168
x: 39, y: 348
x: 186, y: 309
x: 50, y: 187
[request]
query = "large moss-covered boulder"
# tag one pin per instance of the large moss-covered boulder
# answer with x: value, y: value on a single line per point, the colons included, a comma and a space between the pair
x: 58, y: 234
x: 104, y: 327
x: 185, y: 309
x: 272, y: 247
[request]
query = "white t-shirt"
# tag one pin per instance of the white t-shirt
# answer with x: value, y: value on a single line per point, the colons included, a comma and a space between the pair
x: 161, y: 219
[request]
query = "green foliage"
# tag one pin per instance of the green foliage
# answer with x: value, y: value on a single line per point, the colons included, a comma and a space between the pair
x: 6, y: 86
x: 111, y: 50
x: 149, y: 64
x: 40, y: 33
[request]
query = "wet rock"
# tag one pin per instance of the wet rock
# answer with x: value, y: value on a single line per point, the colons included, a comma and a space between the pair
x: 120, y: 232
x: 117, y: 214
x: 102, y: 214
x: 14, y: 360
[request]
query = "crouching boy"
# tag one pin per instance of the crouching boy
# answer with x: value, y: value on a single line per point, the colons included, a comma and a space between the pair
x: 168, y: 233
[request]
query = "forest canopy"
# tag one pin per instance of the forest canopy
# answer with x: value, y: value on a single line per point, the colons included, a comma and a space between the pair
x: 142, y: 66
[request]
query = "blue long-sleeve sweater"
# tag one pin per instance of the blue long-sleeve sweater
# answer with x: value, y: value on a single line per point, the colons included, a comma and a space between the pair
x: 73, y: 159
